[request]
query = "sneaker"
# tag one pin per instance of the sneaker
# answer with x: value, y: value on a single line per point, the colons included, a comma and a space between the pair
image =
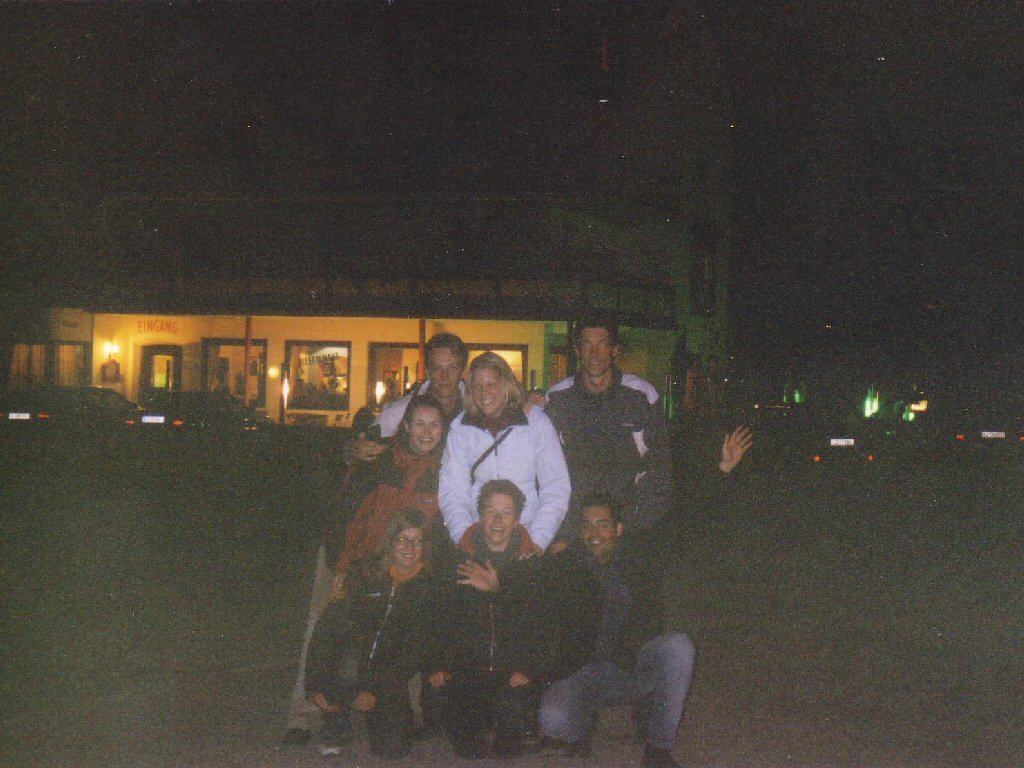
x: 334, y: 734
x: 296, y: 737
x: 658, y: 758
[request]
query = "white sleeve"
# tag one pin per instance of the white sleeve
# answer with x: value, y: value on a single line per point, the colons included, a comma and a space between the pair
x: 552, y: 480
x: 391, y: 417
x: 455, y: 489
x: 641, y: 385
x: 565, y: 383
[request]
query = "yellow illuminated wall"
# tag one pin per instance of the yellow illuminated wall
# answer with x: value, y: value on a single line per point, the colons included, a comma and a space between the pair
x: 125, y: 337
x: 131, y: 334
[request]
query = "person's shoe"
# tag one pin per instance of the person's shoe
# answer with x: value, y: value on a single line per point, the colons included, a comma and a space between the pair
x: 658, y: 758
x: 335, y: 734
x: 296, y: 737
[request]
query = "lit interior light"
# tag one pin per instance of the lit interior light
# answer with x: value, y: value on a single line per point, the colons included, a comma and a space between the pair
x: 273, y: 372
x: 871, y: 403
x: 379, y: 391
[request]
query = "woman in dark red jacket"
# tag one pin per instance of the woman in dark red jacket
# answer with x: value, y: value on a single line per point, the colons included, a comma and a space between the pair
x: 403, y: 478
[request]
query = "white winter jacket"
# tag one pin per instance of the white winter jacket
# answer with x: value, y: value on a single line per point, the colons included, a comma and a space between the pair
x: 531, y: 457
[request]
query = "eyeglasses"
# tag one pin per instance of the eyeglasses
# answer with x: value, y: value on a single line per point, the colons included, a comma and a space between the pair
x: 404, y: 541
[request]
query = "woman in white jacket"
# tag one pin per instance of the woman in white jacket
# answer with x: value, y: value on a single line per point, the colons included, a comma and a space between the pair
x: 495, y: 439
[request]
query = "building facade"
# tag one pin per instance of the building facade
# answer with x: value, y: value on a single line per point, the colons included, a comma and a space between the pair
x: 342, y: 342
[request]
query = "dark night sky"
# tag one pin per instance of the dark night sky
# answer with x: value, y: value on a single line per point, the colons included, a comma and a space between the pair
x: 876, y: 153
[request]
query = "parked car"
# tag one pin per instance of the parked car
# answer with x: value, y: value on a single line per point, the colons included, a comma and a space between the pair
x: 984, y: 431
x: 199, y: 410
x: 19, y: 408
x: 823, y: 437
x: 66, y: 407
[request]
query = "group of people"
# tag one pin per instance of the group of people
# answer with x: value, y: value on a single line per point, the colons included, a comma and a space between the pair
x: 499, y: 562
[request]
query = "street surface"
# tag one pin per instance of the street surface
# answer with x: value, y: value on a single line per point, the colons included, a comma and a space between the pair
x: 155, y: 594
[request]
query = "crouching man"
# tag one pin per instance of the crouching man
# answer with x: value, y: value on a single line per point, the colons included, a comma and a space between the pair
x: 490, y: 642
x: 614, y: 652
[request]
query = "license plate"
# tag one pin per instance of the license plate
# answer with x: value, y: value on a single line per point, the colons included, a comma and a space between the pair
x: 153, y: 419
x: 842, y: 442
x: 993, y: 435
x: 19, y: 416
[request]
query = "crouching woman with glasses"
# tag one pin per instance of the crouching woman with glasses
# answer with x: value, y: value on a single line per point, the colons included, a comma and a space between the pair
x: 367, y: 646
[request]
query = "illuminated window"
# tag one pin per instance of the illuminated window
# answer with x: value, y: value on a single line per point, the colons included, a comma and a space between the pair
x: 318, y: 374
x: 558, y: 363
x: 394, y: 365
x: 73, y: 364
x: 28, y: 365
x: 395, y: 368
x: 514, y: 356
x: 224, y: 369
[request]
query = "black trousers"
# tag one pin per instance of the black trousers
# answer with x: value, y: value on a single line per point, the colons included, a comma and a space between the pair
x: 332, y: 669
x: 472, y: 704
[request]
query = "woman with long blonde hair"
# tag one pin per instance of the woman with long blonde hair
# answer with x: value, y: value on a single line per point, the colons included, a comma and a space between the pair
x: 500, y: 437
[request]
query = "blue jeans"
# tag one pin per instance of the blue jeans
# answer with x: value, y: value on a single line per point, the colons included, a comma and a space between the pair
x: 657, y: 687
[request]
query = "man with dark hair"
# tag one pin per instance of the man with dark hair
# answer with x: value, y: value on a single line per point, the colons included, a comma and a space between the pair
x: 615, y: 434
x: 594, y: 320
x: 446, y: 358
x: 610, y: 644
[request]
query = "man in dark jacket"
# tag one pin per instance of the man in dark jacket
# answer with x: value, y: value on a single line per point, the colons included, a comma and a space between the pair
x: 489, y: 645
x: 615, y: 436
x: 612, y: 650
x: 613, y: 432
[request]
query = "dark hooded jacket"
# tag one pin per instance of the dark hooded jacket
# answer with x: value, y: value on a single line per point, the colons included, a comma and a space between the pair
x: 375, y: 639
x: 598, y: 612
x: 490, y: 631
x: 615, y: 442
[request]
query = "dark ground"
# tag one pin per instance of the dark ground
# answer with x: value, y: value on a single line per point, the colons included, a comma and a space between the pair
x: 155, y: 594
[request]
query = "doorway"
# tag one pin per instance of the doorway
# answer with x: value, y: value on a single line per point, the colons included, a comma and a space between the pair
x: 161, y: 369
